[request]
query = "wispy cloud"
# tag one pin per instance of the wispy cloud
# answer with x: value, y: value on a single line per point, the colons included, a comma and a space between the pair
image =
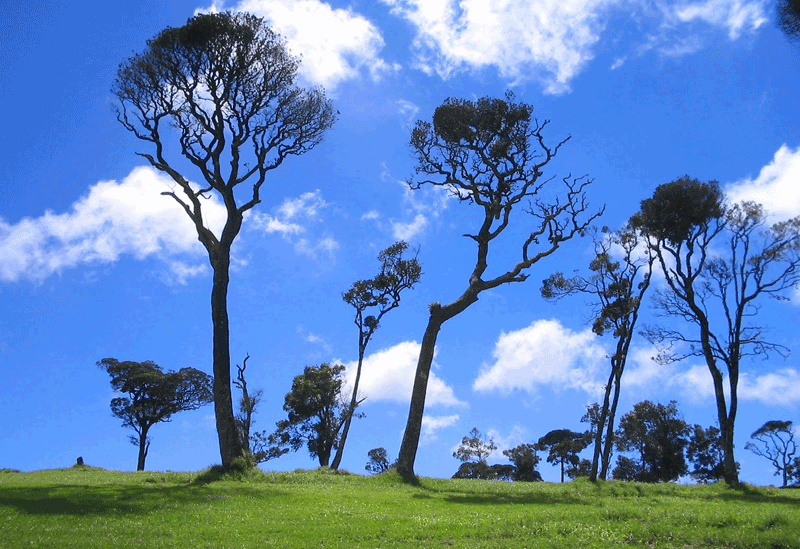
x: 114, y: 219
x: 431, y: 425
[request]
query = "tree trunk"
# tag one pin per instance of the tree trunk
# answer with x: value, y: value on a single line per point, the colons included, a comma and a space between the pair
x: 337, y: 460
x: 408, y: 448
x: 610, y: 427
x: 230, y: 447
x: 144, y: 446
x: 601, y: 425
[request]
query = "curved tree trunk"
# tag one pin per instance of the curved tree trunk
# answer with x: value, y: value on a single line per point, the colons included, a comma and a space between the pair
x: 612, y: 413
x: 337, y: 459
x: 408, y: 448
x: 601, y: 425
x: 229, y: 445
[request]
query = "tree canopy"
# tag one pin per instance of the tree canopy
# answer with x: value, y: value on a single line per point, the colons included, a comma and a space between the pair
x: 222, y: 86
x: 154, y: 396
x: 490, y: 153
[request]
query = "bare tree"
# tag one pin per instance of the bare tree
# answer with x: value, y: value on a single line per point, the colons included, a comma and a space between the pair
x: 379, y: 295
x: 717, y: 291
x: 621, y: 278
x: 489, y: 153
x: 776, y: 443
x: 222, y: 86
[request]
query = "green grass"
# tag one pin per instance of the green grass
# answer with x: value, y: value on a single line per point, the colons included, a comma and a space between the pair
x: 87, y: 507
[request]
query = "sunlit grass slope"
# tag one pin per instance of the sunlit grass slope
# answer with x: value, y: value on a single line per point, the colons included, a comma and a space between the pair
x: 87, y: 507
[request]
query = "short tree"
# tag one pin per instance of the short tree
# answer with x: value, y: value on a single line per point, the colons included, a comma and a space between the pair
x: 775, y: 442
x: 718, y: 261
x: 704, y: 450
x: 473, y: 452
x: 491, y: 153
x: 224, y: 82
x: 316, y: 412
x: 563, y: 447
x: 372, y: 299
x: 255, y: 445
x: 657, y: 433
x: 378, y: 461
x: 620, y: 279
x: 525, y: 461
x: 154, y: 396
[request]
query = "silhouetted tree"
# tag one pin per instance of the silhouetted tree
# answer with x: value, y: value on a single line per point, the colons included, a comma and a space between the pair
x: 153, y: 396
x: 224, y: 83
x: 621, y: 278
x: 378, y: 461
x: 789, y: 18
x: 657, y: 433
x: 490, y: 153
x: 316, y: 412
x: 705, y: 451
x: 716, y: 291
x: 525, y: 460
x: 776, y: 443
x: 255, y: 445
x: 378, y: 296
x: 563, y: 447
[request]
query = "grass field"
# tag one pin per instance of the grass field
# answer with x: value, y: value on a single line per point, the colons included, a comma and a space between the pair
x: 87, y: 507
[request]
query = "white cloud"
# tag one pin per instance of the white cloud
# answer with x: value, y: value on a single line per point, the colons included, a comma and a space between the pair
x: 432, y: 424
x: 388, y: 375
x: 409, y: 230
x: 544, y: 354
x: 114, y: 219
x: 408, y: 113
x: 523, y: 40
x: 734, y: 16
x: 776, y: 186
x: 335, y: 44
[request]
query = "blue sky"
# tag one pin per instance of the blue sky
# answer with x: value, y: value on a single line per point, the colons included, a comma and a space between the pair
x: 96, y: 263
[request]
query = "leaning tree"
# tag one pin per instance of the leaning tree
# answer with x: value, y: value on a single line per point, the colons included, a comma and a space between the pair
x: 153, y: 396
x: 222, y: 87
x: 490, y: 153
x: 718, y: 263
x: 372, y: 299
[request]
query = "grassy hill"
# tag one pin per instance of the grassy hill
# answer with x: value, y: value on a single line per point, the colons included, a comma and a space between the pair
x: 88, y: 507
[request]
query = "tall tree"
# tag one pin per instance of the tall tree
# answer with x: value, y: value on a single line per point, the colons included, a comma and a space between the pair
x: 716, y: 291
x: 776, y: 443
x: 316, y: 412
x: 657, y: 433
x: 621, y: 278
x: 563, y: 447
x: 372, y: 299
x: 490, y: 153
x: 153, y: 396
x: 224, y: 83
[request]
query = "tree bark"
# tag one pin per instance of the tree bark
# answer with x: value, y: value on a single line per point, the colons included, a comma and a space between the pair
x: 337, y: 459
x: 230, y: 447
x: 144, y: 446
x: 408, y: 448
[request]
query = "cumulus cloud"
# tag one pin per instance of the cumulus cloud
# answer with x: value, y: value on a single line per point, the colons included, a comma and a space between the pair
x: 523, y: 40
x: 114, y: 219
x: 335, y: 44
x: 775, y: 187
x: 388, y: 375
x: 293, y: 220
x: 552, y: 41
x: 545, y: 354
x: 693, y: 382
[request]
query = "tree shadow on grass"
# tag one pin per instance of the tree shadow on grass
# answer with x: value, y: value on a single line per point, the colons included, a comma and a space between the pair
x: 118, y: 500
